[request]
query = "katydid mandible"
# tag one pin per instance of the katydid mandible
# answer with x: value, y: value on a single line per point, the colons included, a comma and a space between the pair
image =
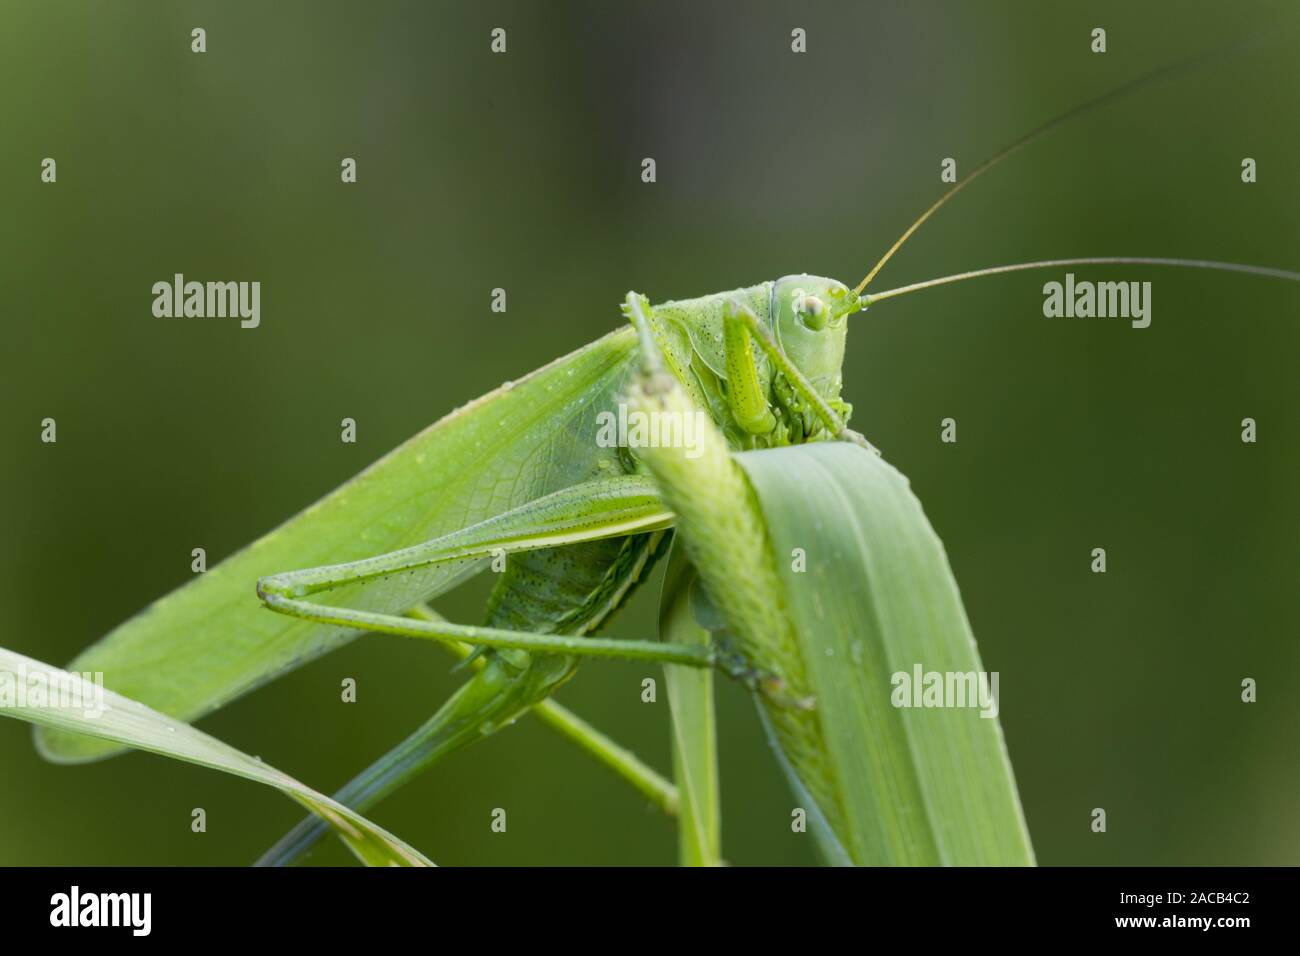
x: 520, y: 472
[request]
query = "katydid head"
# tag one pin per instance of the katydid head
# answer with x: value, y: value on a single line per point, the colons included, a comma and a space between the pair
x: 809, y: 319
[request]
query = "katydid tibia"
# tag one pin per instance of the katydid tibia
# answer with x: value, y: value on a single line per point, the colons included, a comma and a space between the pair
x: 521, y: 473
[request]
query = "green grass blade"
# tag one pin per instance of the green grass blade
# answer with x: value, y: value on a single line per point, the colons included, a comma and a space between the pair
x: 124, y: 721
x: 694, y: 733
x: 211, y: 640
x: 876, y: 598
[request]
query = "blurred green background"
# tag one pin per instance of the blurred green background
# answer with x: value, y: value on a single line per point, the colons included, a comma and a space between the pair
x: 476, y: 171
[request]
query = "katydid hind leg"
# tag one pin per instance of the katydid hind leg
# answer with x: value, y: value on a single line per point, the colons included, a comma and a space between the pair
x: 627, y: 507
x: 532, y: 641
x: 512, y: 680
x: 508, y: 685
x: 592, y: 510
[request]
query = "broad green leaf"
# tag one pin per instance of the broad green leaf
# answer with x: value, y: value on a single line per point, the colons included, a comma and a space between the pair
x: 211, y: 640
x: 72, y: 703
x: 694, y: 731
x: 871, y: 595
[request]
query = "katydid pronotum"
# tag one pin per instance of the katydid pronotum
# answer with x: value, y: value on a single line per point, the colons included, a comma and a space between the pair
x: 582, y: 524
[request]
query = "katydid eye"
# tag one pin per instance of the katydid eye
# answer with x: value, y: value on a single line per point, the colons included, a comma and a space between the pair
x: 812, y: 312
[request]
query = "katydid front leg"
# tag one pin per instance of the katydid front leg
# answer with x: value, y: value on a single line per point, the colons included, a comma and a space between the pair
x: 745, y: 393
x: 748, y: 403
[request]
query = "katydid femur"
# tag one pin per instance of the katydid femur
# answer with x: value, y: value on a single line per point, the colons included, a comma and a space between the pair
x: 581, y: 523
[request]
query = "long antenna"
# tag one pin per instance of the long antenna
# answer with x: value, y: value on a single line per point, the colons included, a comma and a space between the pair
x: 1133, y: 86
x: 867, y: 300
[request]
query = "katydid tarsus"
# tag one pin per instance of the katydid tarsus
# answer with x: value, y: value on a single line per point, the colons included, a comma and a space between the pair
x: 520, y: 473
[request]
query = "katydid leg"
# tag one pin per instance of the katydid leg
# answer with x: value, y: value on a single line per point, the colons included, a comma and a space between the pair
x: 508, y: 685
x: 741, y: 325
x: 561, y: 644
x: 614, y: 507
x: 745, y: 393
x: 593, y: 510
x: 484, y: 704
x: 524, y: 669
